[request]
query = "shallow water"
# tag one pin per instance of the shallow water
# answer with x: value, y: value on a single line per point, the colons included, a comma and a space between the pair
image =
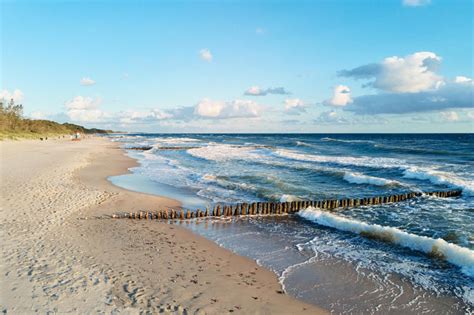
x: 369, y: 259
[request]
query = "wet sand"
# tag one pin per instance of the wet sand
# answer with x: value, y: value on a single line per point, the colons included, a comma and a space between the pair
x: 61, y: 253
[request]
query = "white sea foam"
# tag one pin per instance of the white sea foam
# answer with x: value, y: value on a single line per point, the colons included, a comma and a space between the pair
x: 304, y: 144
x: 457, y: 255
x: 223, y: 152
x: 346, y: 141
x: 343, y: 160
x: 288, y: 198
x: 409, y: 171
x: 358, y: 178
x: 173, y: 140
x: 440, y: 178
x: 284, y: 275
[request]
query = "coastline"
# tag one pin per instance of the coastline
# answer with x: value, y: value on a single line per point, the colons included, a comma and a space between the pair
x: 62, y: 255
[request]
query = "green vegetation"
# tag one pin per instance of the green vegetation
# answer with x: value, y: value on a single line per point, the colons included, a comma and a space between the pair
x: 14, y: 126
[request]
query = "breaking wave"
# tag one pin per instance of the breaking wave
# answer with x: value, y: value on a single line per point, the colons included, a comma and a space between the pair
x: 409, y: 171
x: 457, y: 255
x: 358, y: 178
x: 440, y: 178
x: 223, y: 152
x: 346, y: 141
x: 342, y: 160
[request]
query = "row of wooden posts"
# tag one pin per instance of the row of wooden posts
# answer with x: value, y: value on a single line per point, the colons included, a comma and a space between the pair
x: 276, y: 208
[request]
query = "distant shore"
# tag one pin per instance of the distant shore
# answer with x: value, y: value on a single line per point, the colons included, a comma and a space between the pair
x: 61, y: 254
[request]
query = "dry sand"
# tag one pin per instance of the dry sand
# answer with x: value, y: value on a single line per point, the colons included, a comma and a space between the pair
x: 60, y: 252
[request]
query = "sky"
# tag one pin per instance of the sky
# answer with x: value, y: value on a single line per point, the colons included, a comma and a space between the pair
x: 339, y: 66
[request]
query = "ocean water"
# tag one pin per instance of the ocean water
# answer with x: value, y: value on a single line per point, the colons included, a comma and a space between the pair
x: 411, y: 257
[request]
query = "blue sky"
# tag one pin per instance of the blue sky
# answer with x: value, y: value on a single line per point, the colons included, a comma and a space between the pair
x: 242, y: 66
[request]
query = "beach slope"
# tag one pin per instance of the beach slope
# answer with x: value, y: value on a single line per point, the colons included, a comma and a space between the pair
x: 62, y: 253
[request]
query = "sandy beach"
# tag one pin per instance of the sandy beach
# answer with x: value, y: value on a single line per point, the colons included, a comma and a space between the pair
x: 61, y: 252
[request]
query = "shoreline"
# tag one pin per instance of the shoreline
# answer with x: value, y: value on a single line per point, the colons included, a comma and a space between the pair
x: 75, y: 255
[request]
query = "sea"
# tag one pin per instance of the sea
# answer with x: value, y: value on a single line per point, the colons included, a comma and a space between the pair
x: 411, y: 257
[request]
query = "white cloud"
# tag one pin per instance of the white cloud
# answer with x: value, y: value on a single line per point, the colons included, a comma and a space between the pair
x: 408, y: 85
x: 205, y: 54
x: 259, y: 31
x: 463, y: 80
x: 295, y: 106
x: 331, y: 117
x: 84, y: 109
x: 87, y: 81
x: 82, y: 102
x: 258, y: 91
x: 146, y: 116
x: 449, y: 95
x: 208, y: 108
x: 410, y: 74
x: 450, y: 116
x: 37, y: 115
x: 341, y: 96
x: 16, y: 95
x: 415, y: 3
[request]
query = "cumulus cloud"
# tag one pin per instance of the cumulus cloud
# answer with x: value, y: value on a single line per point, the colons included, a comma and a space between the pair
x: 450, y: 116
x: 449, y: 95
x: 331, y: 117
x: 84, y: 109
x: 205, y: 54
x: 258, y: 91
x: 341, y: 96
x: 16, y: 95
x: 294, y: 106
x: 415, y: 3
x: 410, y: 74
x: 463, y: 80
x: 208, y: 108
x: 145, y: 116
x: 82, y: 102
x: 409, y: 84
x: 87, y: 81
x: 37, y: 115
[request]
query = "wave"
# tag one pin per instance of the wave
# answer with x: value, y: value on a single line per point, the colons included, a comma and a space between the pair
x: 358, y: 178
x: 440, y: 178
x: 304, y: 144
x: 409, y: 171
x: 414, y: 150
x: 223, y: 152
x: 289, y: 198
x: 175, y: 140
x: 346, y: 141
x: 343, y: 160
x: 457, y: 255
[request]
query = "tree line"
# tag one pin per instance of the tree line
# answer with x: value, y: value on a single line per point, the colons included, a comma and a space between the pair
x: 13, y: 124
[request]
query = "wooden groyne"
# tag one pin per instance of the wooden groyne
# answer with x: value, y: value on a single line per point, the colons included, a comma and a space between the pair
x: 278, y: 208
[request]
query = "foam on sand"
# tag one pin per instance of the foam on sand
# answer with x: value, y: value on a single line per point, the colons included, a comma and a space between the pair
x: 457, y: 255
